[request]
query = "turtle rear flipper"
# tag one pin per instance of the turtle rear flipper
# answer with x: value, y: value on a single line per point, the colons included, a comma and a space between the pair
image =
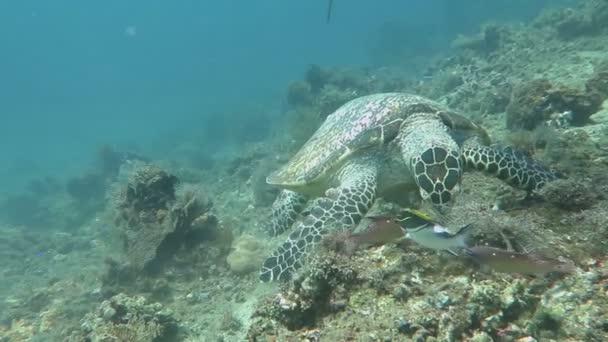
x: 514, y: 167
x: 352, y: 199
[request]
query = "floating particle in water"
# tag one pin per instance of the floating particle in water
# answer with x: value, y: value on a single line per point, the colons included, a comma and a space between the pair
x: 130, y: 31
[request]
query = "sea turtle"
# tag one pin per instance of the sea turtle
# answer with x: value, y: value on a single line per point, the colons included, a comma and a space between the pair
x: 373, y: 144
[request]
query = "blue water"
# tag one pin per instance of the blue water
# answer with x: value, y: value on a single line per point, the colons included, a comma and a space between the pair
x: 147, y: 74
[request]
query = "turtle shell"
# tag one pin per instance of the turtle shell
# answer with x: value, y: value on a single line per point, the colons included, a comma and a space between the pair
x: 363, y: 123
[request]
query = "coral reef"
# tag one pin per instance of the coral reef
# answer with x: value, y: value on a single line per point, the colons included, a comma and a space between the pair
x: 156, y: 221
x: 123, y: 318
x: 319, y: 291
x: 526, y: 105
x: 537, y: 87
x: 535, y: 102
x: 470, y: 84
x: 510, y: 78
x: 414, y: 294
x: 586, y: 156
x: 569, y: 23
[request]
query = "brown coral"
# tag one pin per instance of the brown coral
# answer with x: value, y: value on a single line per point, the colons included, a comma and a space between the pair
x: 155, y: 221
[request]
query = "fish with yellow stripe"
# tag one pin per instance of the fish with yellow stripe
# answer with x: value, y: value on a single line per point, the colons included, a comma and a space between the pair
x: 425, y: 231
x: 416, y: 226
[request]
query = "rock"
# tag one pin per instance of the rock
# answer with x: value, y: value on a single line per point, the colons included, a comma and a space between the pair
x: 539, y: 101
x: 570, y: 194
x: 598, y: 82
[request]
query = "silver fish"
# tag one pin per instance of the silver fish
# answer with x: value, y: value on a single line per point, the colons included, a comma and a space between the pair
x: 420, y: 228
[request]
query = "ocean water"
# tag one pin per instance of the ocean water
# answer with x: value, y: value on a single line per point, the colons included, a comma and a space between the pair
x: 136, y: 137
x: 77, y: 75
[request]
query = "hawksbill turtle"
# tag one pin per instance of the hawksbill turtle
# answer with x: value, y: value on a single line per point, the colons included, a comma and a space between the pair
x: 373, y: 144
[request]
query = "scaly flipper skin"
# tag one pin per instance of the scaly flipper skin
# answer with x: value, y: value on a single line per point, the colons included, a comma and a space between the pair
x: 353, y: 198
x: 515, y: 168
x: 433, y: 158
x: 285, y: 210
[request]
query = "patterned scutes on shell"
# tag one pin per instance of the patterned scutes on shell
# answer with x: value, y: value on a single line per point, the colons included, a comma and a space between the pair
x: 361, y: 123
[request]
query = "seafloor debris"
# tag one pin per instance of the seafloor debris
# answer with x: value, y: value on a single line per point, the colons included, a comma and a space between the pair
x: 155, y: 221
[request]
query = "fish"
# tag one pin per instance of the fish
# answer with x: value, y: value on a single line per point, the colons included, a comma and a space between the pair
x: 380, y: 231
x: 422, y: 229
x: 506, y: 261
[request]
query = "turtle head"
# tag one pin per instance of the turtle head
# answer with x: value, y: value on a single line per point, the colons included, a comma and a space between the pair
x: 437, y: 173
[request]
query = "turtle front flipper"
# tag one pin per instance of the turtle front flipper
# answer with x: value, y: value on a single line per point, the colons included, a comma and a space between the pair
x: 346, y: 207
x: 285, y: 210
x: 432, y: 156
x: 514, y: 167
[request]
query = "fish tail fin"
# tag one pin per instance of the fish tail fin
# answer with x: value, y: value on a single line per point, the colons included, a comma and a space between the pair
x: 566, y: 266
x: 463, y: 235
x: 452, y: 252
x: 351, y: 245
x: 530, y: 249
x: 467, y: 252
